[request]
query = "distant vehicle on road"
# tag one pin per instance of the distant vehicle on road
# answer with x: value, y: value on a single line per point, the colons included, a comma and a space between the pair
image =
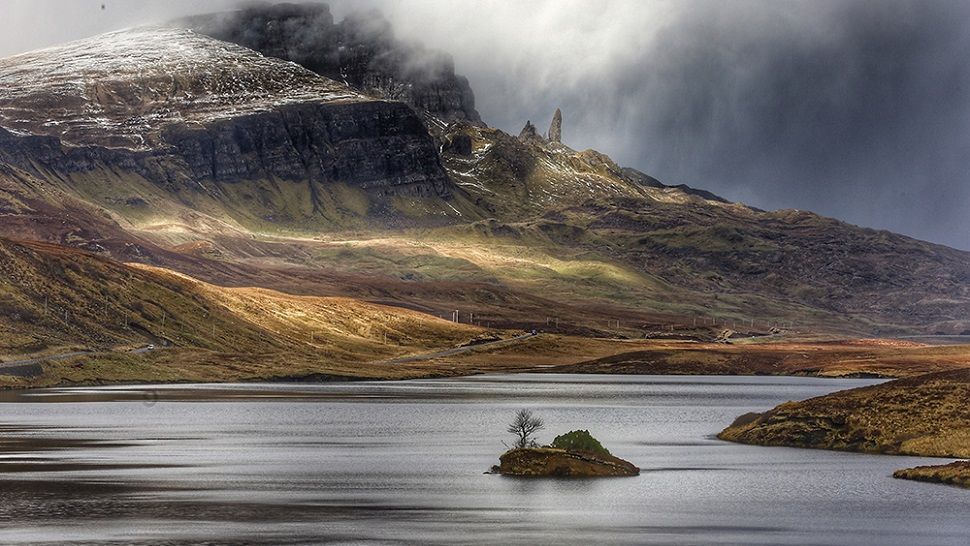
x: 150, y: 348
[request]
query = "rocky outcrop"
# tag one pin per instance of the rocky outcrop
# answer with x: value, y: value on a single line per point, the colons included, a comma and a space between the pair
x: 457, y: 143
x: 379, y: 147
x: 361, y: 51
x: 546, y: 461
x: 529, y: 133
x: 555, y: 129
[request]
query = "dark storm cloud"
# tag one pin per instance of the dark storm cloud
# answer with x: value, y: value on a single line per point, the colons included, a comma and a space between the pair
x: 856, y: 109
x: 859, y: 111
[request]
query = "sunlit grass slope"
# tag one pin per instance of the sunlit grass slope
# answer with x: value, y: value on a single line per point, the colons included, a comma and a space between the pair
x: 52, y: 298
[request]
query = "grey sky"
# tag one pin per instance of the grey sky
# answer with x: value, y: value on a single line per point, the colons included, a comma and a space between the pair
x: 856, y: 109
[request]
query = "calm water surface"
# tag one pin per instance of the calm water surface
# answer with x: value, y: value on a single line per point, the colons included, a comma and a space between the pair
x: 403, y: 462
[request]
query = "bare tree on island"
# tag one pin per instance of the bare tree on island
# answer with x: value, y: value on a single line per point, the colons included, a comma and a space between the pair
x: 524, y: 426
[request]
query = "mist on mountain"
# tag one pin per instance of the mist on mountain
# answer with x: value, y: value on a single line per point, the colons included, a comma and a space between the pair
x: 853, y: 109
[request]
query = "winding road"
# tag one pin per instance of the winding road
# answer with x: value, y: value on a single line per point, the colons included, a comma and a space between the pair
x: 31, y: 367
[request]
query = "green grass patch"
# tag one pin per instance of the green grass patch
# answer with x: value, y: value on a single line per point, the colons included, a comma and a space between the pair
x: 579, y: 440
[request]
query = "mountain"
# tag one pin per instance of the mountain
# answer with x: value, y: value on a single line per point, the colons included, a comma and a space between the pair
x: 168, y: 152
x: 145, y: 120
x: 360, y: 51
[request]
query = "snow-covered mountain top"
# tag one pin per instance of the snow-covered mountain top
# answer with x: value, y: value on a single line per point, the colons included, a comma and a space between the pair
x: 119, y: 89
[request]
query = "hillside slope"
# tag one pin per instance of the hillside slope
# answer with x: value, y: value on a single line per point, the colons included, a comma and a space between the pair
x: 53, y: 299
x: 783, y: 267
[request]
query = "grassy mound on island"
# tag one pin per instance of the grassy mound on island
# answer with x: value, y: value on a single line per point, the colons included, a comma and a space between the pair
x: 956, y: 473
x: 580, y: 440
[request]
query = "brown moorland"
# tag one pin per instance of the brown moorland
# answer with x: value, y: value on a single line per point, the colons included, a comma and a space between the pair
x: 955, y: 473
x: 926, y: 415
x: 781, y: 356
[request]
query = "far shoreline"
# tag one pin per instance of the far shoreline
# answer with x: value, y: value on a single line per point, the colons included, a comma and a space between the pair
x: 540, y: 354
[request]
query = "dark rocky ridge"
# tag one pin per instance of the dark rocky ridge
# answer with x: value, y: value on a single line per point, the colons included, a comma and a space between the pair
x: 360, y: 51
x: 372, y: 145
x: 377, y: 146
x: 183, y: 110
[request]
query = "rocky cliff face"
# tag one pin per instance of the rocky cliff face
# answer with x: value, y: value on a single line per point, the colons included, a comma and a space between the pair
x: 371, y: 145
x: 375, y: 146
x: 360, y: 50
x: 181, y: 110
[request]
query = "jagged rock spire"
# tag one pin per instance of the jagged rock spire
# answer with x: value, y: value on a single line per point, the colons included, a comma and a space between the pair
x: 529, y: 133
x: 555, y: 129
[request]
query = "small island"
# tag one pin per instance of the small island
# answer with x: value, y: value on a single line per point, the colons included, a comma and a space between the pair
x: 574, y: 454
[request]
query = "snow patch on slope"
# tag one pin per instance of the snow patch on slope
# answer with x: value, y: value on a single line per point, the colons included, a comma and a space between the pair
x: 120, y: 89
